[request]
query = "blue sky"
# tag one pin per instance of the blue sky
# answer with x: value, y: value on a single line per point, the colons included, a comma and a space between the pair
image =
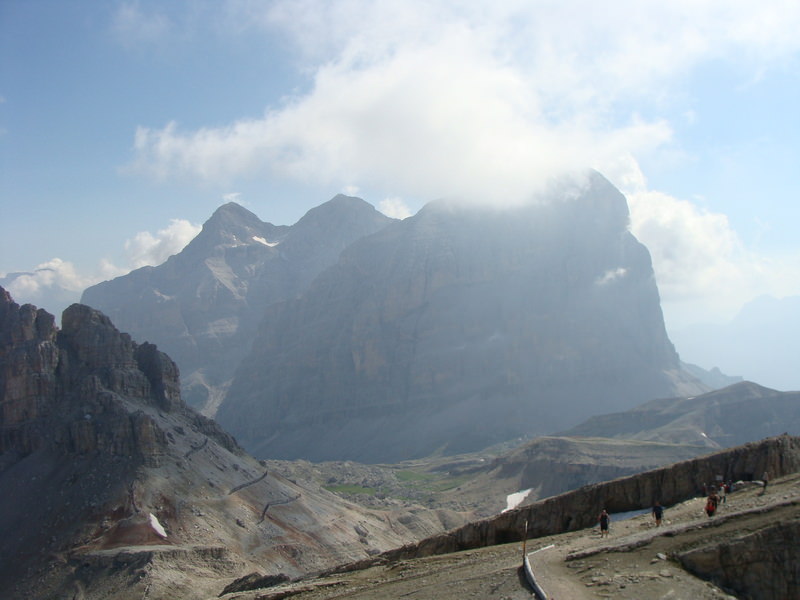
x: 123, y: 125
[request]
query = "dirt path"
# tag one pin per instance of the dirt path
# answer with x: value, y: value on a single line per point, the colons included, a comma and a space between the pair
x: 631, y: 564
x: 632, y: 561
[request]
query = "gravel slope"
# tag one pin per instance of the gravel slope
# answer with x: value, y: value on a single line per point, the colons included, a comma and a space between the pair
x: 634, y: 562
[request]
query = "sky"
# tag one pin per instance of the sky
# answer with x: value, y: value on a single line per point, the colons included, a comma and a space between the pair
x: 125, y: 124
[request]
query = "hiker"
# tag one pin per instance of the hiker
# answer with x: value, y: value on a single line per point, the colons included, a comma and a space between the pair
x: 658, y: 512
x: 711, y: 504
x: 765, y: 479
x: 723, y: 492
x: 604, y: 519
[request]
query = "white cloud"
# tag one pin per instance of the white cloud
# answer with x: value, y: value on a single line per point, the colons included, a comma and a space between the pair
x: 134, y: 26
x: 55, y: 284
x: 703, y: 269
x: 53, y: 273
x: 148, y: 249
x: 351, y: 190
x: 231, y: 197
x: 431, y: 99
x: 395, y: 208
x: 443, y: 119
x: 52, y: 285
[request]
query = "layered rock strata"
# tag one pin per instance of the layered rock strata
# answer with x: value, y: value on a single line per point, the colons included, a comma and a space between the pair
x: 763, y: 565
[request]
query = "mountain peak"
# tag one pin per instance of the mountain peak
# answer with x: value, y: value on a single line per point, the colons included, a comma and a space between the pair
x: 342, y: 218
x: 234, y: 225
x: 232, y: 216
x: 340, y: 204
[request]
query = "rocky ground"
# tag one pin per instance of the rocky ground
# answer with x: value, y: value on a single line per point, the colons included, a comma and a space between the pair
x: 480, y: 482
x: 637, y: 561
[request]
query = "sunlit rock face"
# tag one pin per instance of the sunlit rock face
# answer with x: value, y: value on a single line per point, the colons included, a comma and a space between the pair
x: 62, y: 389
x: 203, y: 305
x: 457, y: 328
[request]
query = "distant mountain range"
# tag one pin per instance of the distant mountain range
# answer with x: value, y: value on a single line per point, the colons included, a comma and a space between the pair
x: 203, y: 305
x: 734, y: 415
x: 352, y: 336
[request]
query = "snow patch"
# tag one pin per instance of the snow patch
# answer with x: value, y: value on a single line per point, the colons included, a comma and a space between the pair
x: 261, y: 240
x: 515, y: 499
x: 157, y: 527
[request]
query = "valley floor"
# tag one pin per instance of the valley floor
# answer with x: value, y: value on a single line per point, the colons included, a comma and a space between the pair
x: 634, y: 562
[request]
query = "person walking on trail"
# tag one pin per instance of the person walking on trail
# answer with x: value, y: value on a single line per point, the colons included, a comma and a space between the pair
x: 658, y: 513
x: 765, y: 479
x: 711, y: 504
x: 604, y: 520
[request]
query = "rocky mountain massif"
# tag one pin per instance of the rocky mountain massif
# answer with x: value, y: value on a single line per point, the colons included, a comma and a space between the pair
x: 203, y: 305
x: 114, y: 488
x: 458, y: 328
x: 734, y: 415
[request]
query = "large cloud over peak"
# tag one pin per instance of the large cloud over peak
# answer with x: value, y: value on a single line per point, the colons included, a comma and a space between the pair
x: 447, y: 117
x: 429, y: 99
x: 422, y: 99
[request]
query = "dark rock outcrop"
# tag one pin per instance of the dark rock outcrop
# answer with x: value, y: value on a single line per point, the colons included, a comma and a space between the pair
x: 762, y: 565
x: 203, y: 305
x: 458, y: 328
x: 62, y: 390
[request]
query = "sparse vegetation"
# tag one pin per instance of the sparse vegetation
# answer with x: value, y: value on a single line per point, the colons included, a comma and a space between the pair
x: 409, y: 476
x: 351, y: 489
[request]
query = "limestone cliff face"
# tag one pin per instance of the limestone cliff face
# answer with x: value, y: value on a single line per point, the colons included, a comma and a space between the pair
x: 203, y: 305
x: 62, y: 389
x: 457, y: 328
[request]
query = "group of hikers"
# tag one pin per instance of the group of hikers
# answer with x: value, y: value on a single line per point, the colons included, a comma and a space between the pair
x: 605, y: 519
x: 714, y: 496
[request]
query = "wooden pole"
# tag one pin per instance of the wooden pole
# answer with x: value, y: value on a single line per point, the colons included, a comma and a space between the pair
x: 524, y: 539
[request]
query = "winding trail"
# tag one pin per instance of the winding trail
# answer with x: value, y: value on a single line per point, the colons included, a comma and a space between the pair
x: 632, y: 563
